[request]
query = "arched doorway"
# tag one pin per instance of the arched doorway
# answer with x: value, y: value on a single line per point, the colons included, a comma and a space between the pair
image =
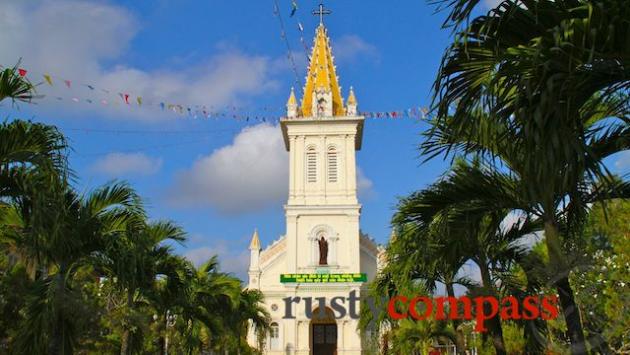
x: 323, y: 333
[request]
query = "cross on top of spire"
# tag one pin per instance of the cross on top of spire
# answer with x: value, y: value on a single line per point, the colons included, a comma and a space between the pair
x: 321, y: 12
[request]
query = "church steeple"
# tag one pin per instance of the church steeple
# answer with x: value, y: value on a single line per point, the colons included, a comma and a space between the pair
x: 322, y: 94
x: 255, y: 242
x: 292, y: 105
x: 351, y: 104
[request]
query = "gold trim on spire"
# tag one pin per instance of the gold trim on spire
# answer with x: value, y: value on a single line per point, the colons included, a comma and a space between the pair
x: 255, y: 243
x: 352, y: 100
x: 322, y: 75
x: 292, y: 100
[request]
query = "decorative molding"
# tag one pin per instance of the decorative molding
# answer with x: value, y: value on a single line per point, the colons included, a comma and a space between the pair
x: 273, y: 250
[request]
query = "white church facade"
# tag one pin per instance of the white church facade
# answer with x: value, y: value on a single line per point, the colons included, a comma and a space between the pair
x: 323, y: 253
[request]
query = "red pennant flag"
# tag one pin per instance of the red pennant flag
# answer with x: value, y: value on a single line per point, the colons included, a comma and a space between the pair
x: 68, y: 83
x: 127, y: 99
x: 22, y: 72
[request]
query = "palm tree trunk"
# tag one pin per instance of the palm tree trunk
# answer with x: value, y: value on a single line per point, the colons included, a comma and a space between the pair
x: 459, y: 335
x: 124, y: 341
x: 494, y: 323
x: 55, y: 346
x: 567, y: 299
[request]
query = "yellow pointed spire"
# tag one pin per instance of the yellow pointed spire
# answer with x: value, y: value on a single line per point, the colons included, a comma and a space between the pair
x: 352, y: 100
x: 292, y: 100
x: 322, y: 75
x: 255, y: 243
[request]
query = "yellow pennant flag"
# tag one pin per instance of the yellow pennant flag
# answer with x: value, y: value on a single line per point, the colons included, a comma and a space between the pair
x: 48, y: 79
x: 139, y: 101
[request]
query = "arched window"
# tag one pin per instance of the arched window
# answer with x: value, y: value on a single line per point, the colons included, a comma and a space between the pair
x: 311, y: 165
x: 274, y: 336
x: 332, y: 164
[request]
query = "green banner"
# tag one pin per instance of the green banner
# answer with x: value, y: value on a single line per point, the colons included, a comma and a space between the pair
x: 322, y: 278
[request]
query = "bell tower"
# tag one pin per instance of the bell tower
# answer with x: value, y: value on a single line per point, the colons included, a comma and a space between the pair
x: 322, y: 135
x: 322, y: 255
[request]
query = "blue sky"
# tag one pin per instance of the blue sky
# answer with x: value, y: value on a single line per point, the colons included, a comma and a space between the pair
x: 221, y: 178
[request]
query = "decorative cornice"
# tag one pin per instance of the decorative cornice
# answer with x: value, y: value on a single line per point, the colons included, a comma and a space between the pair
x: 274, y: 249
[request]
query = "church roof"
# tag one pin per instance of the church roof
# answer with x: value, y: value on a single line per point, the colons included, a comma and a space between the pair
x: 255, y: 243
x: 322, y: 74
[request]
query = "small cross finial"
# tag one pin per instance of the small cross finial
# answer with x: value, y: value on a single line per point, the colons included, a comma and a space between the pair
x: 321, y: 12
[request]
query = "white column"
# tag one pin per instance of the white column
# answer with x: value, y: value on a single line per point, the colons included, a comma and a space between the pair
x: 299, y: 169
x: 292, y: 162
x: 352, y: 171
x: 291, y: 254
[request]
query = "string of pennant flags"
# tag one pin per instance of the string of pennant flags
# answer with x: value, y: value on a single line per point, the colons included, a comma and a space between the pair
x: 283, y: 35
x: 108, y: 97
x: 260, y: 114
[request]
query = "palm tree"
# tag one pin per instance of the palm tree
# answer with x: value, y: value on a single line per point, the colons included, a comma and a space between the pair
x: 133, y: 262
x: 406, y: 336
x: 417, y: 337
x: 423, y: 263
x: 208, y: 292
x: 62, y: 231
x: 453, y: 231
x: 249, y: 312
x: 541, y: 69
x: 168, y: 295
x: 24, y: 148
x: 14, y: 86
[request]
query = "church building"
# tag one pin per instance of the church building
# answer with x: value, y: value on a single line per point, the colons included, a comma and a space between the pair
x: 322, y: 254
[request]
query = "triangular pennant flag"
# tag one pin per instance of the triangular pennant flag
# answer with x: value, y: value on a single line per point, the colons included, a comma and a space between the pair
x: 127, y: 99
x: 162, y: 106
x: 68, y: 83
x: 22, y: 72
x: 48, y: 79
x: 294, y: 7
x: 139, y: 99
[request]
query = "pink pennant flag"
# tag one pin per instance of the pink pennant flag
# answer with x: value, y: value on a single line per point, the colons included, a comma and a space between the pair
x: 22, y: 72
x: 68, y: 83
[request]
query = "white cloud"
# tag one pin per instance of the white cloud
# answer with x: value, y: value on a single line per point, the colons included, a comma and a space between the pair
x: 126, y: 164
x: 79, y: 40
x: 247, y: 175
x: 236, y: 262
x: 623, y: 160
x: 349, y: 47
x: 364, y: 185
